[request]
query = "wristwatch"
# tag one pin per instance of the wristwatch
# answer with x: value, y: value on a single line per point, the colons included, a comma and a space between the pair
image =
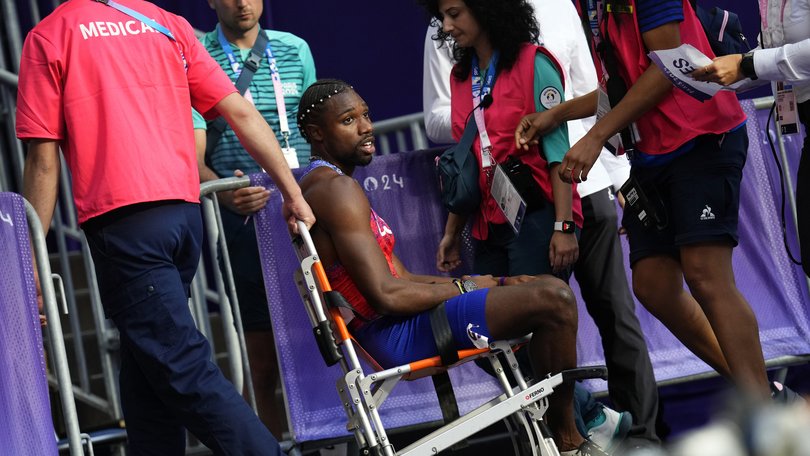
x: 465, y: 286
x: 469, y: 285
x: 566, y: 226
x: 747, y: 66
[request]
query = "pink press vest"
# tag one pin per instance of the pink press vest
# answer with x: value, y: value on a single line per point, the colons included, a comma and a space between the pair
x: 513, y: 98
x: 678, y: 118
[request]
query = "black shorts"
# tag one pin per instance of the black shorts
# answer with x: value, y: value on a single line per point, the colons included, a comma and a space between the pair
x: 697, y: 194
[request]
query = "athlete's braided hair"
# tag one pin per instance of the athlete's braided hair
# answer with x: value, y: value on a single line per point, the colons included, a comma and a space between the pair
x: 311, y: 104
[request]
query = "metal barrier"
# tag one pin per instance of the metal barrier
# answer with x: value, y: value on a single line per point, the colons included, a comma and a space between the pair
x: 225, y: 291
x: 408, y: 132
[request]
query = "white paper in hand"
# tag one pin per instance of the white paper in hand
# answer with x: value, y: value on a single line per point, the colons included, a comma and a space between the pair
x: 679, y: 63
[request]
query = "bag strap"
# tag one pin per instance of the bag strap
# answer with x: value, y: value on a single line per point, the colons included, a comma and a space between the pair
x: 467, y: 138
x: 251, y: 65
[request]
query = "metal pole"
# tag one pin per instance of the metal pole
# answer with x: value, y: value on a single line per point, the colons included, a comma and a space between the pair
x: 767, y: 102
x: 55, y: 331
x: 75, y: 326
x: 34, y: 8
x: 13, y: 32
x: 232, y: 345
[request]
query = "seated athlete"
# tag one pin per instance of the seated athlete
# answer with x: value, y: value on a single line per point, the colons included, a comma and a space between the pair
x: 356, y: 247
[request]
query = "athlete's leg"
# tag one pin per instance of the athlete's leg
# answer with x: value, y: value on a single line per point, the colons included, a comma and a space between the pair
x: 547, y: 309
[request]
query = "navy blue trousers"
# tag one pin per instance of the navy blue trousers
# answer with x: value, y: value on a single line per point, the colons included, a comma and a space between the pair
x: 145, y: 258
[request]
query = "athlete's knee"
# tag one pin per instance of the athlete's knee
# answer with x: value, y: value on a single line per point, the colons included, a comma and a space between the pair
x: 555, y: 303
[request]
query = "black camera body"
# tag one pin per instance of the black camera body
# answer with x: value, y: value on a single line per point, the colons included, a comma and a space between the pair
x: 637, y: 202
x: 521, y: 177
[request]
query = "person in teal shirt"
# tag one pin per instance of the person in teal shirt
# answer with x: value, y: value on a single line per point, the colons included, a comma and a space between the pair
x: 230, y: 43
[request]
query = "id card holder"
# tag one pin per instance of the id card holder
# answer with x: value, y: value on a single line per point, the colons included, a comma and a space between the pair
x: 614, y: 144
x: 509, y: 200
x: 786, y: 110
x: 291, y: 157
x: 486, y: 157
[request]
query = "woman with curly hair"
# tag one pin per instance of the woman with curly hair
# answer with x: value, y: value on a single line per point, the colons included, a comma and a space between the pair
x: 499, y: 77
x: 504, y: 76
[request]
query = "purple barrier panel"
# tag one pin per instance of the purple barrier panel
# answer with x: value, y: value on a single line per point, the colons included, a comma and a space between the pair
x: 314, y: 408
x: 26, y: 427
x: 775, y: 288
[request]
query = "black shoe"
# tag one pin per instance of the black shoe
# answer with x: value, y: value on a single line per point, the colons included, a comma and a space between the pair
x: 783, y: 395
x: 587, y: 448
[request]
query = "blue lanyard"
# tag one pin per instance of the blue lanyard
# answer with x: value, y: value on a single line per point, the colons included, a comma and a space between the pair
x: 480, y: 88
x: 278, y: 90
x: 149, y: 22
x: 140, y: 17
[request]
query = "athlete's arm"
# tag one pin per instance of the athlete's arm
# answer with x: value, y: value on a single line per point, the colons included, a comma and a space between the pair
x: 343, y: 218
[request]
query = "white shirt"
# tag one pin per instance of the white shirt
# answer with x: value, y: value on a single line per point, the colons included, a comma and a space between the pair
x: 789, y: 62
x: 561, y: 33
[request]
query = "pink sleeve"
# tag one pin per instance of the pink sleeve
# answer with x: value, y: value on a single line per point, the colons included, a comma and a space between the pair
x: 206, y: 80
x: 39, y: 93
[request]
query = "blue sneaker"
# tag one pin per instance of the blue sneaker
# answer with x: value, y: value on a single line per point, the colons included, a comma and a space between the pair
x: 609, y: 428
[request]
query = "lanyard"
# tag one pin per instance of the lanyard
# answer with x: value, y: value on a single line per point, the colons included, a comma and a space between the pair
x: 148, y: 21
x: 595, y: 12
x: 281, y: 106
x: 480, y: 89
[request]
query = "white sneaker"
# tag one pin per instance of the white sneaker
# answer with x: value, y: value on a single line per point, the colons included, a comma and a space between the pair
x: 609, y: 428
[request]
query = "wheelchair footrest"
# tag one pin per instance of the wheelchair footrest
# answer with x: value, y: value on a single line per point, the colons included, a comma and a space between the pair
x: 582, y: 373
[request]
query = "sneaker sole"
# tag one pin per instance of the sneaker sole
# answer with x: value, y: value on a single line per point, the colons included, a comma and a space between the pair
x: 621, y: 431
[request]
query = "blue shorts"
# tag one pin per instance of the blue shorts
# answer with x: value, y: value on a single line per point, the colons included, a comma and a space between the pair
x: 394, y: 341
x: 698, y: 194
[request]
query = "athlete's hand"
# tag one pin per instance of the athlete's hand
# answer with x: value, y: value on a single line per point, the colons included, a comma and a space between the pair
x: 483, y: 281
x: 516, y: 280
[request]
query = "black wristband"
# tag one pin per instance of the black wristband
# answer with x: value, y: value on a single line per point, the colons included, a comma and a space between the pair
x: 747, y: 66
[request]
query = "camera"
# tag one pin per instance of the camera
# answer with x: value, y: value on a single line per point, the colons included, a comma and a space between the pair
x: 520, y: 175
x: 637, y: 202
